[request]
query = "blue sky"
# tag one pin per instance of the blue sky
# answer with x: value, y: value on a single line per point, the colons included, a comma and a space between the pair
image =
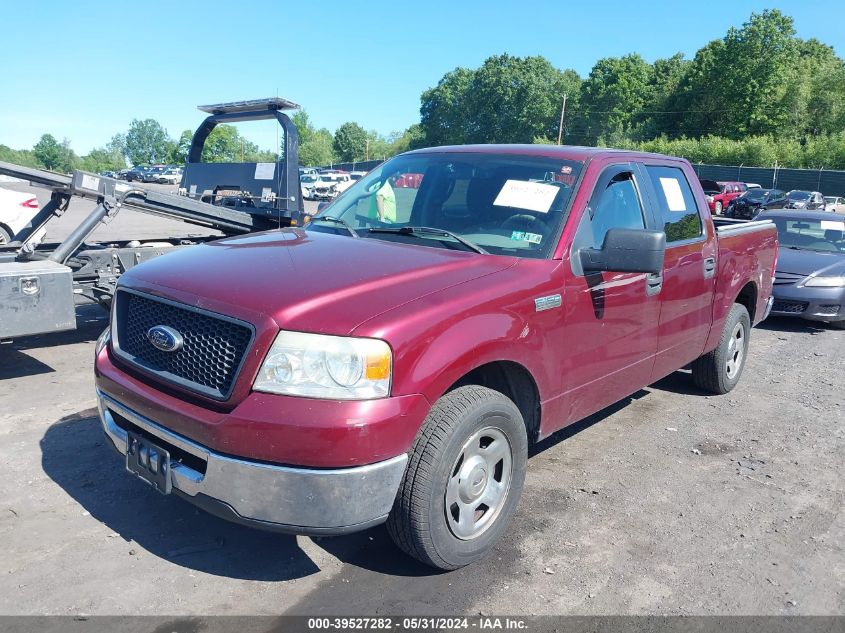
x: 83, y: 70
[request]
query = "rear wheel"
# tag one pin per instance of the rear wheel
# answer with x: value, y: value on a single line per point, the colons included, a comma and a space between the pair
x: 719, y: 371
x: 463, y: 480
x: 719, y: 207
x: 5, y: 238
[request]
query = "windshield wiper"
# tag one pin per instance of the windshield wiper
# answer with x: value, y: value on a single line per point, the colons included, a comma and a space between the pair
x: 428, y: 230
x: 343, y: 223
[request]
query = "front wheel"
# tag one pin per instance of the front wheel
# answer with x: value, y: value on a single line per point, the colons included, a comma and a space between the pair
x: 718, y: 371
x: 718, y: 207
x: 5, y: 238
x: 463, y: 481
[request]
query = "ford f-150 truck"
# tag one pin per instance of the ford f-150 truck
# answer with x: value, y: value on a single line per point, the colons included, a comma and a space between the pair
x: 394, y: 361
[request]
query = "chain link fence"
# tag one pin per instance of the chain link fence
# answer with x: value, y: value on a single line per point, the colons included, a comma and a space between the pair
x: 829, y: 182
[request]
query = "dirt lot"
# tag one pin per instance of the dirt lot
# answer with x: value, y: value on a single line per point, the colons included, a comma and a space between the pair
x: 669, y: 502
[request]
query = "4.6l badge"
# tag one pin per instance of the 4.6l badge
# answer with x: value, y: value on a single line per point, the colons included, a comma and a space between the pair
x: 547, y: 303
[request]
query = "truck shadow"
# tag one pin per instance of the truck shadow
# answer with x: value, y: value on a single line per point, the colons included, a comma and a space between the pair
x: 77, y: 456
x: 16, y: 363
x: 798, y: 326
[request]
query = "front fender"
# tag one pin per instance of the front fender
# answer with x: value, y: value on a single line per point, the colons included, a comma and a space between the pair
x: 467, y: 344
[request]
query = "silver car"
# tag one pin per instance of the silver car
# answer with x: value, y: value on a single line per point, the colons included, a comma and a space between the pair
x: 810, y: 276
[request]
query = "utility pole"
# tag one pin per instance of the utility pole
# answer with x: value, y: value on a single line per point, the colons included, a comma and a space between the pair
x: 367, y: 151
x: 560, y: 127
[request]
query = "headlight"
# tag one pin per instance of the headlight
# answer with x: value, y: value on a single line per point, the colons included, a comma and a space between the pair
x: 799, y: 205
x: 102, y: 341
x: 825, y: 282
x: 330, y: 367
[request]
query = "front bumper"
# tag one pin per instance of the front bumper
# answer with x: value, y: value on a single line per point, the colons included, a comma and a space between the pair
x: 814, y: 304
x: 280, y: 498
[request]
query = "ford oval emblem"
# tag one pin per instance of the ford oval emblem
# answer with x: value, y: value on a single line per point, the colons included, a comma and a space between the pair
x: 165, y: 338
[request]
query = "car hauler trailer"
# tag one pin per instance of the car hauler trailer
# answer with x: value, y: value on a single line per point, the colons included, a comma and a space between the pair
x: 42, y: 283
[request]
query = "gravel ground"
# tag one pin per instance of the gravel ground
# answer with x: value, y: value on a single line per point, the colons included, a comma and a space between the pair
x: 670, y: 502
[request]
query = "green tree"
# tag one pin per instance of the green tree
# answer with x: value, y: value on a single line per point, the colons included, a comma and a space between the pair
x: 226, y: 145
x: 304, y: 129
x: 412, y: 138
x: 612, y: 95
x: 350, y: 142
x: 147, y: 142
x: 318, y: 149
x: 507, y: 100
x: 48, y: 152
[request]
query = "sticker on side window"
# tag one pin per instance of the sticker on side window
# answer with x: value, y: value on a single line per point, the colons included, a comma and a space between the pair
x: 531, y: 196
x: 674, y: 196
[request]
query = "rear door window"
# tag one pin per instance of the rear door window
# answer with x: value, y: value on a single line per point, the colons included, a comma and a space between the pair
x: 676, y: 204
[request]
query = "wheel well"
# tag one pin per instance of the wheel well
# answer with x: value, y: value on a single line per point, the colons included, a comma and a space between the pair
x: 514, y: 381
x: 748, y: 297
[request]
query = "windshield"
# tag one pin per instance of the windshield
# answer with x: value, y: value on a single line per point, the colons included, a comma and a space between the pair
x: 505, y: 204
x: 754, y: 194
x: 811, y: 235
x: 308, y: 178
x: 830, y: 199
x: 799, y: 195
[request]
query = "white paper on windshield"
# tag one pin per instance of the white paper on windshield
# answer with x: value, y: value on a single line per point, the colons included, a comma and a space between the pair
x: 674, y: 196
x: 265, y: 171
x: 832, y: 225
x: 531, y: 196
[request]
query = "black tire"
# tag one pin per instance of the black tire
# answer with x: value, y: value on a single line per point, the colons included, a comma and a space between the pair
x: 838, y: 325
x: 712, y: 372
x: 418, y: 522
x: 5, y: 238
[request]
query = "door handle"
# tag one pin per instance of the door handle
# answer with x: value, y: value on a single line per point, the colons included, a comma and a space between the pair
x: 709, y: 267
x: 653, y: 283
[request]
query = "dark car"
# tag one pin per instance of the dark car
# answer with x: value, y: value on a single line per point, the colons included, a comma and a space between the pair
x: 152, y: 174
x: 136, y: 174
x: 809, y: 200
x: 810, y: 277
x: 754, y: 201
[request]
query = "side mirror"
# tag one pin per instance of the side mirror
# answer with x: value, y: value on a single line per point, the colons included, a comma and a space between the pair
x: 627, y: 251
x: 322, y: 206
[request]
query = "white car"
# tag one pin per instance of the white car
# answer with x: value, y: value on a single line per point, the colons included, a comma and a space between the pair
x: 16, y: 211
x: 171, y: 176
x: 306, y: 181
x: 329, y: 186
x: 834, y: 204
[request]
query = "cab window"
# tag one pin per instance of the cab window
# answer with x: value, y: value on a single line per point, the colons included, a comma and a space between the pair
x: 678, y: 210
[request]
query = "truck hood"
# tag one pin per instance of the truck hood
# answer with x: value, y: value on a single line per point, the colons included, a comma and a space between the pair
x: 308, y: 281
x: 805, y: 262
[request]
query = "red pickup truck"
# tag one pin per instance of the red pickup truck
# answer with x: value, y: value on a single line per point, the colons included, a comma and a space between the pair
x: 327, y: 379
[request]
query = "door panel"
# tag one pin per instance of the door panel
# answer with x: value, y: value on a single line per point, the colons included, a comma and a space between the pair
x: 689, y: 270
x: 611, y: 318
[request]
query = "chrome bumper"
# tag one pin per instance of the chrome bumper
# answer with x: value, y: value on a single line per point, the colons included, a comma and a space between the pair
x: 281, y: 498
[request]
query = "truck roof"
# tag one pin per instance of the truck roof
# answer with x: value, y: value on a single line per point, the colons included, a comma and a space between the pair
x: 251, y: 105
x: 571, y: 152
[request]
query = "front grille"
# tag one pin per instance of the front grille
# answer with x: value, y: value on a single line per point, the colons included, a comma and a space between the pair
x: 212, y: 352
x: 789, y: 307
x: 783, y: 279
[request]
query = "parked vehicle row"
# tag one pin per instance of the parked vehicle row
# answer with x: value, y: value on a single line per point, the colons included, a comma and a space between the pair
x: 162, y: 174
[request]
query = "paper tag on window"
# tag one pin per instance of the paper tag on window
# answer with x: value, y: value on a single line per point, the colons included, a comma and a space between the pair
x: 832, y: 225
x: 531, y: 196
x: 265, y: 171
x: 674, y: 196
